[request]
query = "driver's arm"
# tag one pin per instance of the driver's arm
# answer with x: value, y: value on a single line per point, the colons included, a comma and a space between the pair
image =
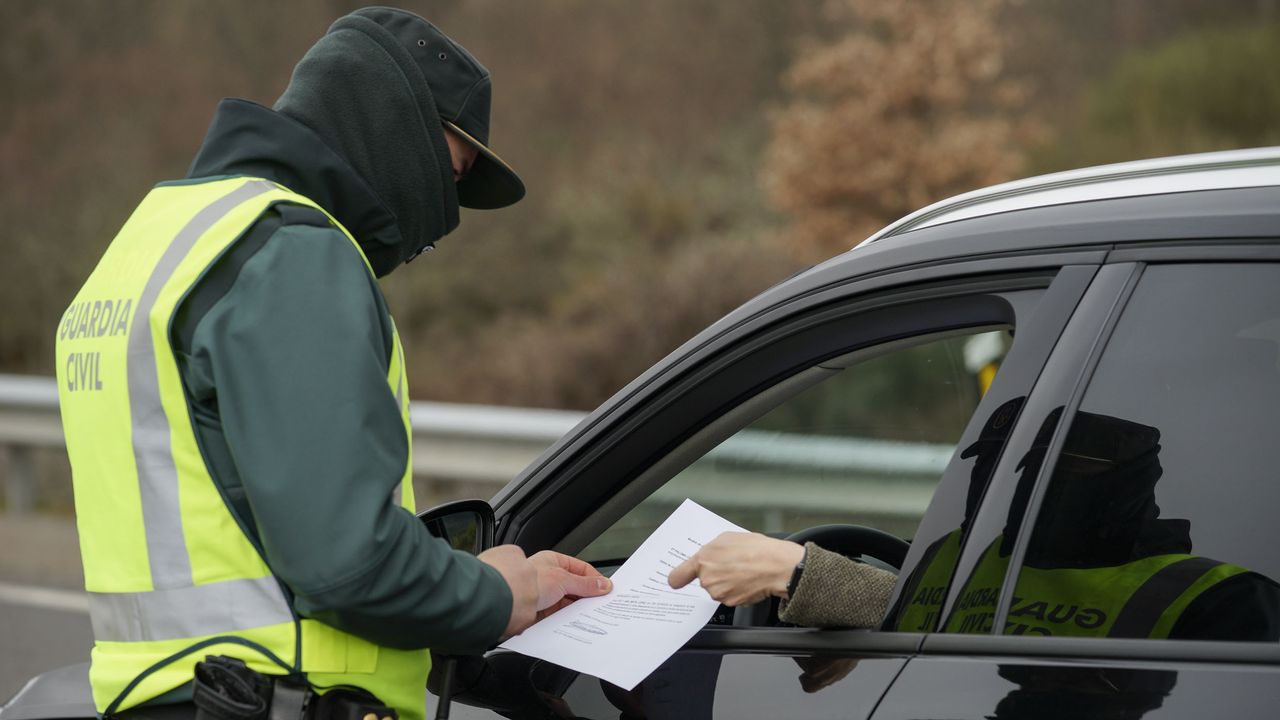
x: 834, y: 591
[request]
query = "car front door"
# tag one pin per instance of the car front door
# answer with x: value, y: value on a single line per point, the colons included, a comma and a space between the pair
x: 852, y: 411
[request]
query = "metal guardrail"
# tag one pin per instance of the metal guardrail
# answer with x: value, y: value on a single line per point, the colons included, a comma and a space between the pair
x: 476, y: 449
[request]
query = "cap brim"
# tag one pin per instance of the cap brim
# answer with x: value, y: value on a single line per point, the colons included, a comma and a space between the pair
x: 491, y: 183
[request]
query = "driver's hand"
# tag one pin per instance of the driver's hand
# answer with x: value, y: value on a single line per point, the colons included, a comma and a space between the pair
x: 741, y: 568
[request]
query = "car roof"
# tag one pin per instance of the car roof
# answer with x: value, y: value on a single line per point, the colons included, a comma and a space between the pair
x: 1255, y: 167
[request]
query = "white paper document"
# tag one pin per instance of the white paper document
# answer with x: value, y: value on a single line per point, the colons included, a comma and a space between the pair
x: 625, y: 635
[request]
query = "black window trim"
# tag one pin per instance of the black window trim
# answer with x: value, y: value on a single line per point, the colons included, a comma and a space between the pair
x: 1261, y: 249
x: 805, y: 641
x: 1123, y: 649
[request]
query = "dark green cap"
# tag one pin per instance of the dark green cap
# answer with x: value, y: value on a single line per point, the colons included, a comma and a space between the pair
x: 461, y: 89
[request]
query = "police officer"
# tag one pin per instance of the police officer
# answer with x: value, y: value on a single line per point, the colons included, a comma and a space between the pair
x: 234, y: 398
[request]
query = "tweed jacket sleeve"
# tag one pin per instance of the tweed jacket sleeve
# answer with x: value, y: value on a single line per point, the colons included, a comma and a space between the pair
x: 835, y: 591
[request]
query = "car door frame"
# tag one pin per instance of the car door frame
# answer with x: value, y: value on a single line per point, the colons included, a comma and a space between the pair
x: 1063, y: 276
x: 885, y: 308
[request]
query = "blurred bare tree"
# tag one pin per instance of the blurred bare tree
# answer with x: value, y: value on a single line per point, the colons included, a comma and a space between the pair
x: 906, y: 104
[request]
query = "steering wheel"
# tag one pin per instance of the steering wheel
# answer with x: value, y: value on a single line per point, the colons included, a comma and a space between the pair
x: 852, y: 541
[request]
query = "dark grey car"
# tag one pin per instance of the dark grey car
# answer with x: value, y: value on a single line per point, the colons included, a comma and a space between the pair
x: 985, y: 370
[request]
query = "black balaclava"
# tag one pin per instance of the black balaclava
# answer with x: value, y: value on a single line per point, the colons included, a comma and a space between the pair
x: 362, y: 93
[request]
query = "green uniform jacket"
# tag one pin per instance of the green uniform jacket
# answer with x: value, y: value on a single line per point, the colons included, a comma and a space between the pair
x: 283, y: 348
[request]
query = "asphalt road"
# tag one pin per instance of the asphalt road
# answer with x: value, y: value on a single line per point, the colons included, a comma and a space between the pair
x: 36, y: 639
x: 44, y: 621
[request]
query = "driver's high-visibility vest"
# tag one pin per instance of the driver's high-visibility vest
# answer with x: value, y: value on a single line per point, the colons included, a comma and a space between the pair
x: 171, y: 576
x: 1142, y: 598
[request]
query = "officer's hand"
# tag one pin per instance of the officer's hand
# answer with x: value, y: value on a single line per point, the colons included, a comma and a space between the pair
x: 522, y: 577
x: 563, y: 579
x: 740, y: 568
x: 542, y: 584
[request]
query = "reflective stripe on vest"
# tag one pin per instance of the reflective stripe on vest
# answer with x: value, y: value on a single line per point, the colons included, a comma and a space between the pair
x: 1154, y: 608
x: 1142, y: 598
x: 157, y: 476
x: 226, y: 607
x: 167, y: 567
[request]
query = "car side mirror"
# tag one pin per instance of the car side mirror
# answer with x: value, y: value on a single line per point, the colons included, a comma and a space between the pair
x: 467, y: 525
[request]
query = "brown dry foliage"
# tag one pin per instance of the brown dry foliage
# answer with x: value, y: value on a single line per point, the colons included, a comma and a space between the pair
x: 611, y: 327
x: 908, y: 104
x: 640, y: 129
x: 613, y: 116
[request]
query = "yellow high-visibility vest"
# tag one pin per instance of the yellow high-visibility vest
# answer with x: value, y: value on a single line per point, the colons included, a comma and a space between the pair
x: 171, y: 576
x: 1142, y: 598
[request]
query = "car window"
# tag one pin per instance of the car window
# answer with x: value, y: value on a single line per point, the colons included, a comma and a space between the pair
x: 866, y: 446
x: 1157, y: 520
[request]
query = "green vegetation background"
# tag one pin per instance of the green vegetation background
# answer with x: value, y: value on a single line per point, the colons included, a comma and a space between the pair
x: 664, y: 144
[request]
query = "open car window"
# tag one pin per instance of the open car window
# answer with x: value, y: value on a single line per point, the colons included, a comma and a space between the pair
x: 865, y: 444
x: 867, y: 404
x: 856, y: 414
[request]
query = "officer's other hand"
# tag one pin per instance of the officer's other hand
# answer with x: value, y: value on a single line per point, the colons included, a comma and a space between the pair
x: 563, y: 579
x: 740, y: 568
x: 522, y: 578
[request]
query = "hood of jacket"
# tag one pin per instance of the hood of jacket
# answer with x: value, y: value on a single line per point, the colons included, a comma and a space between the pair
x: 356, y: 131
